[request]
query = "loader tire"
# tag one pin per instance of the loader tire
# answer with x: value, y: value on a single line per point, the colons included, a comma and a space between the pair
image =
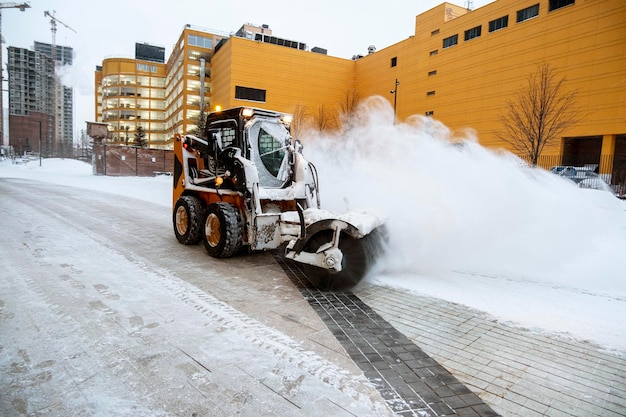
x: 187, y: 220
x: 222, y: 231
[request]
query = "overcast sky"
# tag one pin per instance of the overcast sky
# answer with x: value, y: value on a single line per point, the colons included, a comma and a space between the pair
x: 105, y: 29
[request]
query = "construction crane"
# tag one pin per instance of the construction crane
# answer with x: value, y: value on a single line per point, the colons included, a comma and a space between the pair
x: 9, y: 5
x: 53, y: 29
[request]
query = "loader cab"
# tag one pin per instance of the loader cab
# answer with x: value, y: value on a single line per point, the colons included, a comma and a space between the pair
x: 262, y: 137
x: 269, y: 142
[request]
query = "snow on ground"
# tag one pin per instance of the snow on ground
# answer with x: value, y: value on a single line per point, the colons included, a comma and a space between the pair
x: 467, y: 225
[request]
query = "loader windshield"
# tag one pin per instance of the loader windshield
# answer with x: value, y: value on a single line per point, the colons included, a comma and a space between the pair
x: 269, y: 141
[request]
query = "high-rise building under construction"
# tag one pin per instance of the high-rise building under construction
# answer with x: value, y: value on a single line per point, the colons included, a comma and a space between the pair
x: 40, y: 106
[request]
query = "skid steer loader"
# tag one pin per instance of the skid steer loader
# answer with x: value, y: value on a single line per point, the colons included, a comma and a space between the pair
x: 245, y: 186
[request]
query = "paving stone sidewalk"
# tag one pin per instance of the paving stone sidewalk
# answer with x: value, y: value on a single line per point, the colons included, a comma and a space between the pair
x: 412, y: 383
x: 516, y: 371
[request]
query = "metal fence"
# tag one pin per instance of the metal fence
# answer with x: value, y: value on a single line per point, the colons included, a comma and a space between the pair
x: 611, y: 169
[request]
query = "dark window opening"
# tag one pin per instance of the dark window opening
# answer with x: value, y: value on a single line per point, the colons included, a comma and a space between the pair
x: 557, y: 4
x: 527, y: 13
x: 473, y: 33
x: 450, y: 41
x: 247, y: 93
x: 434, y: 32
x: 430, y: 93
x: 430, y: 113
x: 500, y: 23
x: 431, y: 73
x: 394, y: 61
x: 433, y: 53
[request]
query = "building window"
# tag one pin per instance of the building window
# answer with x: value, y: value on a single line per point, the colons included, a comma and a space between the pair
x: 557, y: 4
x: 434, y: 32
x: 200, y: 41
x: 394, y: 61
x: 430, y: 93
x: 430, y: 113
x: 527, y: 13
x: 473, y: 33
x: 450, y: 41
x: 433, y: 53
x: 431, y: 73
x: 500, y: 23
x: 247, y: 93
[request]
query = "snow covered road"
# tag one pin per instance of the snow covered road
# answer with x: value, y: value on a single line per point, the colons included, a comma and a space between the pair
x: 102, y: 312
x: 98, y: 317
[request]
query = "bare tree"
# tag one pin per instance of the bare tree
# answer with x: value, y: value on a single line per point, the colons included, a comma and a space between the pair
x: 325, y: 120
x: 538, y: 114
x: 348, y: 108
x: 300, y: 121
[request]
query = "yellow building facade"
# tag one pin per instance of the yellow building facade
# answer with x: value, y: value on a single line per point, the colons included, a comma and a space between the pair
x: 130, y: 94
x: 459, y: 67
x: 163, y: 98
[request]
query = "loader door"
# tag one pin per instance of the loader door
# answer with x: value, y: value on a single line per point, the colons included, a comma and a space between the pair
x: 268, y: 142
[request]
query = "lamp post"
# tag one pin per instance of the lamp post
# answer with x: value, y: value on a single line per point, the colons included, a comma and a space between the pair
x: 395, y: 100
x: 39, y: 121
x: 22, y: 7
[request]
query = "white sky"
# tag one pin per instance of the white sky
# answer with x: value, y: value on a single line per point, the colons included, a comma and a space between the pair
x: 111, y: 28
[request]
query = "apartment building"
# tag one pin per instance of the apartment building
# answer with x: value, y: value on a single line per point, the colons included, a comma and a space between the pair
x: 162, y: 97
x: 64, y: 96
x: 41, y: 108
x: 31, y: 101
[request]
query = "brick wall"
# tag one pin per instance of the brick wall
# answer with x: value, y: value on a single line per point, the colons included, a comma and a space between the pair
x: 115, y: 160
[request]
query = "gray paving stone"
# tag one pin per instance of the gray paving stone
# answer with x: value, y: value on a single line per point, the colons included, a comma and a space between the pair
x: 516, y: 371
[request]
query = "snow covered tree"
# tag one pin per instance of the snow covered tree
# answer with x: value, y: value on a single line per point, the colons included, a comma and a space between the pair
x: 140, y: 137
x: 538, y: 114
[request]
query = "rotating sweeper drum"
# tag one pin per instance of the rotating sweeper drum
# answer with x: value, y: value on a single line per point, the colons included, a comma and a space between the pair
x: 354, y: 252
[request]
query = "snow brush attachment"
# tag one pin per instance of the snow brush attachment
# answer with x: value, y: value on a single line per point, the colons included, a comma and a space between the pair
x: 335, y: 254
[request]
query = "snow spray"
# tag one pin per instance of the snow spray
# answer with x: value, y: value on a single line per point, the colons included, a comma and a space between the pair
x: 450, y: 204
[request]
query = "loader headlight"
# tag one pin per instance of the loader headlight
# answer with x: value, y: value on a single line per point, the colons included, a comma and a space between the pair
x: 247, y: 112
x: 219, y: 181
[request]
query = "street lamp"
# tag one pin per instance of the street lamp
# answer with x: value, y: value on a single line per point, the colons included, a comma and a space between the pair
x: 39, y: 121
x: 395, y: 100
x: 22, y: 7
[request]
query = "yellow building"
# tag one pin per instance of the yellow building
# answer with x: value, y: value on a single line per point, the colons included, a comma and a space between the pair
x: 462, y: 66
x: 459, y: 67
x: 188, y: 86
x: 131, y: 94
x: 162, y: 98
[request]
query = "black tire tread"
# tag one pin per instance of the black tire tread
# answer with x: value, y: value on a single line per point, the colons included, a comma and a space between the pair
x: 230, y: 227
x: 193, y: 206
